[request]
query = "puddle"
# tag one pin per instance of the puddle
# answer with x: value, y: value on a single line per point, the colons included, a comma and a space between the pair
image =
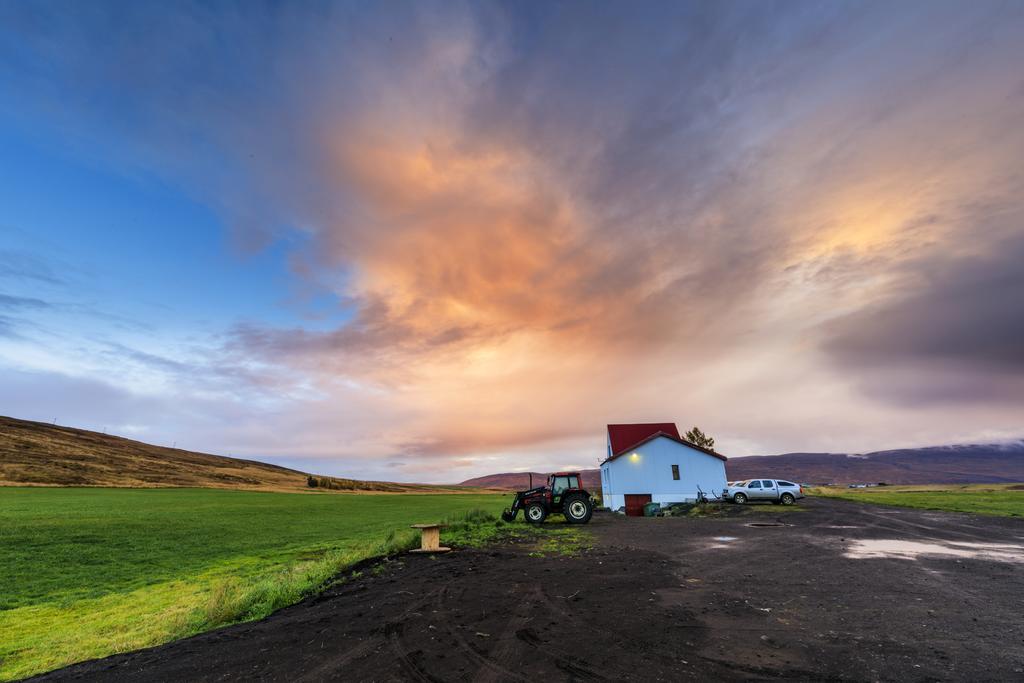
x: 912, y: 550
x: 723, y: 542
x: 759, y: 524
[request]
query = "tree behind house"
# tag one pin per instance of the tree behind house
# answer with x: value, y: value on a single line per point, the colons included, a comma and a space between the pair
x: 699, y: 438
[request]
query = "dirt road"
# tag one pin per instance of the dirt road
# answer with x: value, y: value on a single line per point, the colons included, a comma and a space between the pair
x: 844, y: 591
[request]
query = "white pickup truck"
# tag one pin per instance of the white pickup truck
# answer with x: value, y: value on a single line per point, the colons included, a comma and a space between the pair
x: 774, y: 490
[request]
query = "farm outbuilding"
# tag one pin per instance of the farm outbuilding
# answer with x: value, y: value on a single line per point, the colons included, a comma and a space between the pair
x: 651, y: 463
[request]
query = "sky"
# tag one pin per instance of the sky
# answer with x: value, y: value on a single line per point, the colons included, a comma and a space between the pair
x: 429, y: 241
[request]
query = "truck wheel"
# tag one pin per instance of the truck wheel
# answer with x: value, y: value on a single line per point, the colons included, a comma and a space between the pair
x: 577, y: 509
x: 739, y: 498
x: 535, y: 513
x: 787, y: 499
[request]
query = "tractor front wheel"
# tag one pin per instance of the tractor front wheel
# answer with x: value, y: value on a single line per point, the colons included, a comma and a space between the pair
x: 535, y: 513
x: 577, y: 509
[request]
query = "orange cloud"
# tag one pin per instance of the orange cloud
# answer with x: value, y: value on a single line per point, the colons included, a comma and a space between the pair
x: 525, y: 270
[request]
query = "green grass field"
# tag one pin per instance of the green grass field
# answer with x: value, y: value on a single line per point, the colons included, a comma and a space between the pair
x: 1005, y: 500
x: 85, y: 573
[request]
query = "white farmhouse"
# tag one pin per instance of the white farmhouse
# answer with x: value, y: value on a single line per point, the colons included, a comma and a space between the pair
x: 651, y: 463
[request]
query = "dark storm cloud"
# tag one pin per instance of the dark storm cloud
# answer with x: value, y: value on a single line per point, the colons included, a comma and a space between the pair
x: 954, y: 323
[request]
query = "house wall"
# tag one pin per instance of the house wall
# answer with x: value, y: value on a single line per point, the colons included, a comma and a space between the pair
x: 651, y: 472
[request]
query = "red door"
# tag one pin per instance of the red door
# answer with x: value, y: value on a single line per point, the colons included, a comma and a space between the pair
x: 635, y: 504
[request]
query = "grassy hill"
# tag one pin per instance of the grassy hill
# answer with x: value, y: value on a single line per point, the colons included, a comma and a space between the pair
x: 40, y: 454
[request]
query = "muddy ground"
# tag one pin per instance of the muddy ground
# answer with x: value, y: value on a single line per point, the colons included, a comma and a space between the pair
x: 823, y: 598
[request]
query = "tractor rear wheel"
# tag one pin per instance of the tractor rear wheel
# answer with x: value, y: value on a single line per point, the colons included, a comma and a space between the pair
x: 535, y: 513
x: 577, y: 509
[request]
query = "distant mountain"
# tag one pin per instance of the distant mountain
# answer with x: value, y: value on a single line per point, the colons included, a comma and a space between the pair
x: 519, y: 481
x: 980, y: 464
x: 40, y: 454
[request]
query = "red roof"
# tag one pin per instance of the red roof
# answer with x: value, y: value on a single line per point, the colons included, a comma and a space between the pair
x: 625, y: 438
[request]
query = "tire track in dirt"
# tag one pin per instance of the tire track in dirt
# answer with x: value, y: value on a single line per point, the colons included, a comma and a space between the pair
x: 482, y: 662
x: 899, y: 520
x: 393, y: 632
x: 333, y: 665
x: 563, y: 661
x: 495, y: 666
x: 496, y: 669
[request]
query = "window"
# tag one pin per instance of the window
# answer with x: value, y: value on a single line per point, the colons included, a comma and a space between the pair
x: 786, y: 483
x: 675, y: 472
x: 768, y: 484
x: 754, y: 484
x: 561, y: 484
x: 574, y: 482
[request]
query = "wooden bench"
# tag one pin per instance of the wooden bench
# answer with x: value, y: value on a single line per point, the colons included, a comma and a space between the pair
x: 430, y: 538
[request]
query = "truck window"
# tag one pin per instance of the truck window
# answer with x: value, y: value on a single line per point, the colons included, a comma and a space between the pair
x: 767, y: 484
x: 754, y: 485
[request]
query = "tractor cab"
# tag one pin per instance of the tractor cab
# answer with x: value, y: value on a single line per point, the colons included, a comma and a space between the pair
x: 562, y: 484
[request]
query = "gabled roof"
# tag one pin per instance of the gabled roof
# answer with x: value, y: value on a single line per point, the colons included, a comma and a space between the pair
x: 624, y: 437
x: 628, y: 437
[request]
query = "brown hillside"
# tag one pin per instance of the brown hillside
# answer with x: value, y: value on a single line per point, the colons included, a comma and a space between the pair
x: 520, y: 481
x: 39, y: 454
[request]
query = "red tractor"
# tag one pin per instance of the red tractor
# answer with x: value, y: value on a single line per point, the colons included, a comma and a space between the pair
x: 564, y: 493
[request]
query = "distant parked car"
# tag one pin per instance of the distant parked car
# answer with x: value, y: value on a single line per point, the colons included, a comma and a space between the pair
x: 774, y: 490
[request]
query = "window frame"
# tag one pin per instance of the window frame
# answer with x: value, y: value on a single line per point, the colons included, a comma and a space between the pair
x: 675, y: 472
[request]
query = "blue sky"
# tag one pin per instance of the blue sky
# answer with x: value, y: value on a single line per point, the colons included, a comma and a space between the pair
x: 421, y: 241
